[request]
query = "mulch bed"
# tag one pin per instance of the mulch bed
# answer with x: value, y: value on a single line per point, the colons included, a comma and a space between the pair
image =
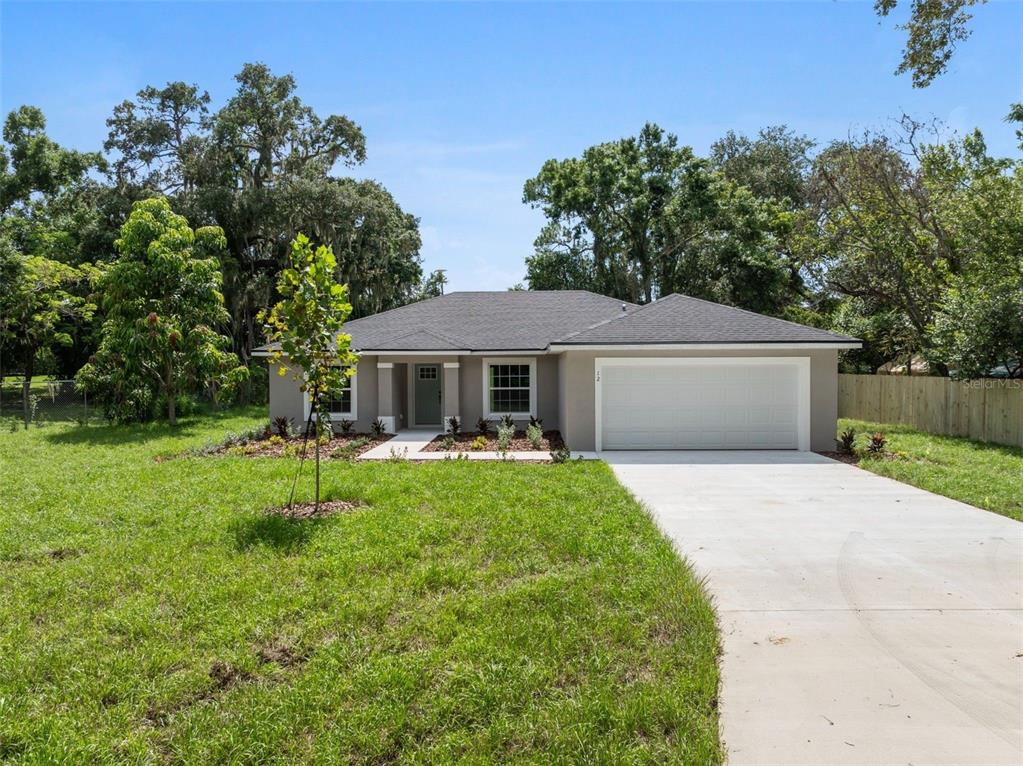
x: 348, y: 446
x: 842, y: 457
x: 308, y: 510
x: 856, y: 459
x: 551, y: 440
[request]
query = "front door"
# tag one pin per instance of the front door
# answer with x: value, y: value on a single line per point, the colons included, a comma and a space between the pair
x: 427, y: 394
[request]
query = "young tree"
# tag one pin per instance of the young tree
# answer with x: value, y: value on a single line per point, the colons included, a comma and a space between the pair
x: 163, y: 308
x: 306, y: 328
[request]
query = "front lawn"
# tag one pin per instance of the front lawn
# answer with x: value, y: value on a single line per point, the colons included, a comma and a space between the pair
x: 151, y: 612
x: 988, y: 476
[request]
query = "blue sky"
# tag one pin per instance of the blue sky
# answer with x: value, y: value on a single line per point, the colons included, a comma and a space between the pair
x: 461, y: 103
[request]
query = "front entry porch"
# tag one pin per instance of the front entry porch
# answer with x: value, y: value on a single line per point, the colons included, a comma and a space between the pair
x: 417, y: 393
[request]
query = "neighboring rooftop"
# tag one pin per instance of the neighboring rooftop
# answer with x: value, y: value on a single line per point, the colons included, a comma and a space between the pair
x: 533, y: 320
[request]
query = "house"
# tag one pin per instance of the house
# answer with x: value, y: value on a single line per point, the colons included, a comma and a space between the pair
x: 678, y: 373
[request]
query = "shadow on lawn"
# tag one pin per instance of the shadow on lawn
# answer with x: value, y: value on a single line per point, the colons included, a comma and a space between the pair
x: 274, y: 531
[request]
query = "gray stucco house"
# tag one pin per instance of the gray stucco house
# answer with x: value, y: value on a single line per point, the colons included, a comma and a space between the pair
x: 679, y: 373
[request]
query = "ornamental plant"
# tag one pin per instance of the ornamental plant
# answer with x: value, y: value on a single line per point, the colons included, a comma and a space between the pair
x: 305, y: 328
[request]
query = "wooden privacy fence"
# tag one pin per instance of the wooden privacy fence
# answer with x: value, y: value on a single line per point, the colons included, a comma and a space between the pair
x: 988, y: 410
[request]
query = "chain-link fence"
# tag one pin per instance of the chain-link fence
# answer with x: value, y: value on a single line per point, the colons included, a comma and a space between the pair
x: 44, y: 401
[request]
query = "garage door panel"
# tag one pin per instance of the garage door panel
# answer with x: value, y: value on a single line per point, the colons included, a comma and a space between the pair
x: 700, y: 406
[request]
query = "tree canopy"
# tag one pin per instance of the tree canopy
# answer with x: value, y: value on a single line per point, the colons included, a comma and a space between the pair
x: 163, y: 316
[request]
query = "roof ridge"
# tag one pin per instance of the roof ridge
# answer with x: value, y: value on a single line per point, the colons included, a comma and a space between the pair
x: 756, y: 314
x: 398, y: 308
x: 603, y: 322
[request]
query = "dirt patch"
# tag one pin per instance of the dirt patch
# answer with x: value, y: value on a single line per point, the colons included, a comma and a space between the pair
x: 463, y: 443
x: 225, y: 676
x: 281, y: 654
x: 309, y: 510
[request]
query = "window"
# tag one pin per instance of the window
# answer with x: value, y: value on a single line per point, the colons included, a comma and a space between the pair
x: 510, y: 387
x: 342, y: 402
x: 428, y: 373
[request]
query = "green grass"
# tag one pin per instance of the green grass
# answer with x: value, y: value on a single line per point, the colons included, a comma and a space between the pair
x: 989, y: 476
x: 151, y: 612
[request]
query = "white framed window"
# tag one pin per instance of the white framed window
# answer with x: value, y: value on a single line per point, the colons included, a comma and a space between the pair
x: 342, y: 403
x: 509, y: 387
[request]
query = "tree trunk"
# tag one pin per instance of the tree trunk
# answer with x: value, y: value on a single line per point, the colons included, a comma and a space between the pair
x: 26, y: 387
x: 171, y: 396
x: 316, y: 508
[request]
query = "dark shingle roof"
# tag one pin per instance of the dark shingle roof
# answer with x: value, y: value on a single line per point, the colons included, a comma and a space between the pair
x: 532, y: 320
x: 484, y: 321
x: 681, y: 319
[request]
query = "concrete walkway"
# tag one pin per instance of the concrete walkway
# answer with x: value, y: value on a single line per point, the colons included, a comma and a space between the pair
x: 410, y: 444
x: 864, y: 621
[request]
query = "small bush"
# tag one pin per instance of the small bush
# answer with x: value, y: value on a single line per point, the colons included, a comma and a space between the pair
x: 534, y: 432
x: 483, y: 427
x: 505, y: 434
x: 846, y: 441
x: 398, y: 455
x: 378, y: 427
x: 275, y: 440
x: 283, y: 426
x: 479, y: 443
x: 538, y: 422
x: 448, y: 443
x: 454, y: 426
x: 346, y: 426
x: 349, y: 450
x: 508, y: 421
x: 877, y: 443
x: 561, y: 455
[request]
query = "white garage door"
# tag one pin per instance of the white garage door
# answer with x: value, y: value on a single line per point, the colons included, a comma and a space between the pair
x: 703, y: 404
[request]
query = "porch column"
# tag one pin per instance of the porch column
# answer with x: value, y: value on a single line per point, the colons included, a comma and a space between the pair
x: 385, y: 395
x: 451, y: 393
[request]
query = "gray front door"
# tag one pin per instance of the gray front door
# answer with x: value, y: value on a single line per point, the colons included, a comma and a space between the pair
x: 427, y: 398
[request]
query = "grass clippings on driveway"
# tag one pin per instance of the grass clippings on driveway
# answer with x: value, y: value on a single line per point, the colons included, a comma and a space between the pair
x: 153, y: 612
x: 989, y: 476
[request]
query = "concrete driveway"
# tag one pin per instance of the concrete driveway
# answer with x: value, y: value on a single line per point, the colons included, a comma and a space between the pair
x: 864, y: 621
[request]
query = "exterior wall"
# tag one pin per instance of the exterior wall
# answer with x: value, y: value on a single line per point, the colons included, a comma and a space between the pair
x: 577, y: 399
x: 399, y: 394
x: 286, y: 400
x: 366, y: 394
x: 470, y: 386
x: 565, y: 391
x: 548, y: 391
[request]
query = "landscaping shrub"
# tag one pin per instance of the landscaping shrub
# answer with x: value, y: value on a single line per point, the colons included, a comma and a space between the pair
x: 479, y: 443
x: 846, y: 441
x: 877, y: 443
x: 505, y: 434
x: 454, y: 426
x: 483, y: 427
x: 378, y: 427
x: 346, y: 426
x: 283, y: 426
x: 448, y: 442
x: 534, y: 421
x: 508, y: 422
x: 560, y: 455
x: 534, y: 432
